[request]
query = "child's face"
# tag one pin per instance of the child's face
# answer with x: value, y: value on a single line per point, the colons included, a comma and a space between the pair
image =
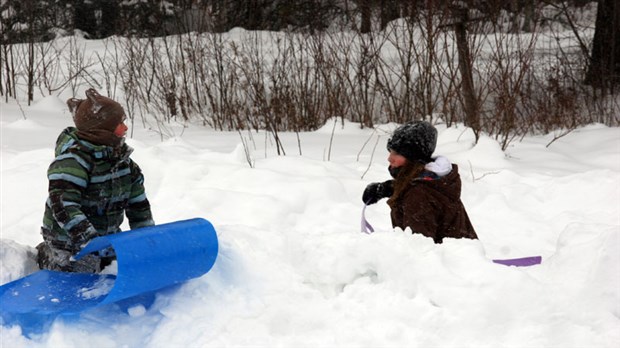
x: 396, y: 160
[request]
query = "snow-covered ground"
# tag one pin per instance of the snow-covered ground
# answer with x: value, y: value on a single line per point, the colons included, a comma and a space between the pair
x: 294, y: 270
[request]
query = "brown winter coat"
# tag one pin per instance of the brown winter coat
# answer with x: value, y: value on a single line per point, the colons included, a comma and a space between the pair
x: 433, y: 208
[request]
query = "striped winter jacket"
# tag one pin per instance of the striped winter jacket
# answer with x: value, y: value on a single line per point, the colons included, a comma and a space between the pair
x: 90, y: 188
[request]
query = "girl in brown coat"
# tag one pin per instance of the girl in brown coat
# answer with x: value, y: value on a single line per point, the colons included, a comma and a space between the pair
x: 425, y: 194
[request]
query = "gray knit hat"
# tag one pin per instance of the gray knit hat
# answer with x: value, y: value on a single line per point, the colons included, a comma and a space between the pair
x: 415, y: 141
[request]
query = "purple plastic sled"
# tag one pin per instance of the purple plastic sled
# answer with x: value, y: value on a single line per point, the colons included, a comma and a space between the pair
x: 521, y: 262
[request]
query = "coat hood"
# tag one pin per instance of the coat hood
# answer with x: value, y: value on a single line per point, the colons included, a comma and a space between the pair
x: 68, y: 140
x: 449, y: 185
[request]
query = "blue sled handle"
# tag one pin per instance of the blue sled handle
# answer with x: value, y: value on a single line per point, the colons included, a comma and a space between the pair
x: 154, y: 257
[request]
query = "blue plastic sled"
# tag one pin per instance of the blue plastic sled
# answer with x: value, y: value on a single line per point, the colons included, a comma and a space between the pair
x: 148, y: 259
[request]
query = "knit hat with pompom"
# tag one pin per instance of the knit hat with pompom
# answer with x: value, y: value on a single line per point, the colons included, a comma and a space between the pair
x: 96, y: 117
x: 415, y: 141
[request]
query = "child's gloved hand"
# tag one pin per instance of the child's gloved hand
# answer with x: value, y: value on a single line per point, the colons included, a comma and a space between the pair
x: 80, y: 236
x: 88, y: 264
x: 78, y: 240
x: 377, y: 190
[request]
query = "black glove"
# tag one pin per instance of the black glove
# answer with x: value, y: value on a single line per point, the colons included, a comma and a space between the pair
x: 77, y: 241
x: 377, y: 190
x: 81, y: 234
x: 88, y: 264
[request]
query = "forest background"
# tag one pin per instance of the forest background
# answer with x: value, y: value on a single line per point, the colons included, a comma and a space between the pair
x: 504, y: 68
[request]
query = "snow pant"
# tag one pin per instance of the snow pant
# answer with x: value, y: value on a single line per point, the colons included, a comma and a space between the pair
x: 56, y: 259
x: 56, y: 256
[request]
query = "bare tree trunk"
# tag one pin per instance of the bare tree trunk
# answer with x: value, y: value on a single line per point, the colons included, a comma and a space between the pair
x: 30, y: 71
x: 389, y: 11
x: 472, y: 119
x: 30, y: 54
x: 604, y: 69
x: 3, y: 58
x: 366, y: 12
x: 529, y: 19
x: 84, y: 17
x: 10, y: 72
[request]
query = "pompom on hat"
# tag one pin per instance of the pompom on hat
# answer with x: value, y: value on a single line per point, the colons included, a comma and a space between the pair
x: 96, y: 117
x: 414, y: 140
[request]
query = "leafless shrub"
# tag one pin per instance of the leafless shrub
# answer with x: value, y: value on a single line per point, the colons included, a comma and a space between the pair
x: 241, y: 80
x: 77, y: 66
x: 49, y: 68
x: 7, y: 72
x: 259, y: 84
x: 221, y: 89
x: 510, y: 64
x: 362, y: 56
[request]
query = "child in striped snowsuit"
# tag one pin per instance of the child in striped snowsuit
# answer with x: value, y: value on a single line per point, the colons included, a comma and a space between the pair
x: 93, y: 183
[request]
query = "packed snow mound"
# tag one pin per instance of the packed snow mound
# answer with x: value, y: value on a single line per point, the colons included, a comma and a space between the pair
x: 294, y: 269
x: 16, y: 260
